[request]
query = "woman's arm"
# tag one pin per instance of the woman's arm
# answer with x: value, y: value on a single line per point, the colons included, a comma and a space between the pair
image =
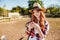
x: 36, y: 26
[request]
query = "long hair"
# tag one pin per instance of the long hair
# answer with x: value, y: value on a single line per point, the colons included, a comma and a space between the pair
x: 41, y: 21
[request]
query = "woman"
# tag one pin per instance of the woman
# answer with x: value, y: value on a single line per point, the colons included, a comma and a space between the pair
x: 38, y: 26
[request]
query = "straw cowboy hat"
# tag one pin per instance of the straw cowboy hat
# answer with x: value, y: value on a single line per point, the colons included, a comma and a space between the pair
x: 38, y: 7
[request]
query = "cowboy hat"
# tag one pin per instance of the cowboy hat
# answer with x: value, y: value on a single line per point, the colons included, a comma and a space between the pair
x: 38, y: 7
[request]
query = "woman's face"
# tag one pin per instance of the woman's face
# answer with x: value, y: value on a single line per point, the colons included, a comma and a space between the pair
x: 36, y: 13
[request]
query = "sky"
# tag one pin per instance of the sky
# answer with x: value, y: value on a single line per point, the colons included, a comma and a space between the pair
x: 24, y: 3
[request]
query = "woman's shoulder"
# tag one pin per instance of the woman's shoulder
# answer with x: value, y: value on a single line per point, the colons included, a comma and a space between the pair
x: 27, y: 23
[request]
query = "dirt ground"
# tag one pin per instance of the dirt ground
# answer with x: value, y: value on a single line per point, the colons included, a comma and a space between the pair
x: 15, y: 30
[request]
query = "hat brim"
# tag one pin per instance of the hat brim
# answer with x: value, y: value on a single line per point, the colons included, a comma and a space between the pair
x: 40, y: 9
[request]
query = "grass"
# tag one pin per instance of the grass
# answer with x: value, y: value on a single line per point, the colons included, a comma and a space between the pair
x: 16, y: 29
x: 54, y: 33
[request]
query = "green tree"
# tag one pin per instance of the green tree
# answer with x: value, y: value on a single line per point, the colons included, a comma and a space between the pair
x: 54, y: 11
x: 16, y: 9
x: 24, y: 11
x: 1, y: 11
x: 31, y: 2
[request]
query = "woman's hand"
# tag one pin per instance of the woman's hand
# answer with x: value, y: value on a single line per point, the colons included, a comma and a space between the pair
x: 36, y: 26
x: 31, y: 25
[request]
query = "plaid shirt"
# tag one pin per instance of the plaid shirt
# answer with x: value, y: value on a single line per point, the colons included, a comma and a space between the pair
x: 31, y: 33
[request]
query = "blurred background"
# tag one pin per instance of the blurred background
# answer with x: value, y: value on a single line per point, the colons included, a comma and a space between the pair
x: 14, y: 14
x: 21, y: 7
